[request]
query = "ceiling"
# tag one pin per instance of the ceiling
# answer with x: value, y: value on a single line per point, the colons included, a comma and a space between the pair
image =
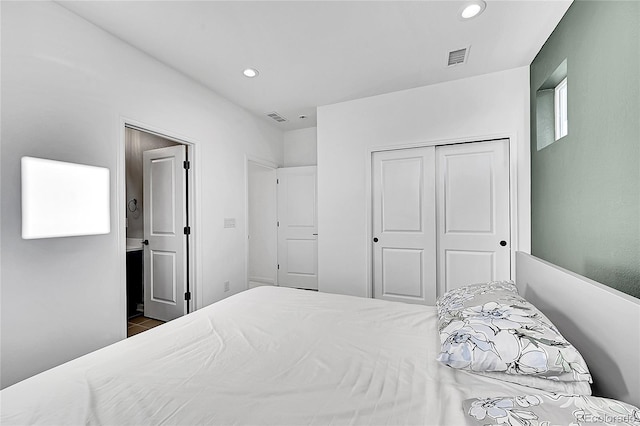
x: 313, y: 53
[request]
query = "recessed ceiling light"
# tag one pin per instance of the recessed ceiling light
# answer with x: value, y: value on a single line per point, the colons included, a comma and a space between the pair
x: 472, y: 9
x: 250, y: 72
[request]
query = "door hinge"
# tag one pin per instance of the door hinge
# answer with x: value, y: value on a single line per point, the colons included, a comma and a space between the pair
x: 187, y: 296
x: 186, y: 165
x: 278, y: 223
x: 187, y: 230
x: 277, y: 181
x: 278, y: 266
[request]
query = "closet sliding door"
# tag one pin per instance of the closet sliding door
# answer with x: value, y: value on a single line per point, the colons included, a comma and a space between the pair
x: 473, y: 213
x: 440, y: 217
x: 404, y: 225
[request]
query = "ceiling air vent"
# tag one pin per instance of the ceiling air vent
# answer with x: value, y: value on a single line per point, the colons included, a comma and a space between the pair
x: 457, y: 57
x: 277, y: 117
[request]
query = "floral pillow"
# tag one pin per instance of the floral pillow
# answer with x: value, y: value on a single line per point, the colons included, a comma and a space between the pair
x: 515, y: 338
x: 541, y: 383
x: 551, y: 409
x: 471, y: 295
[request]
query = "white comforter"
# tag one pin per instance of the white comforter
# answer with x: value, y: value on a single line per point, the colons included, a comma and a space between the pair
x: 267, y: 356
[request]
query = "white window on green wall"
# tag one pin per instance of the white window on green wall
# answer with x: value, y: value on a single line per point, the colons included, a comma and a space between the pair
x: 560, y: 109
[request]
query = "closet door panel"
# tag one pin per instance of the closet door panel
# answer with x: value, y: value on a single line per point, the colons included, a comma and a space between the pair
x: 404, y: 225
x: 473, y: 213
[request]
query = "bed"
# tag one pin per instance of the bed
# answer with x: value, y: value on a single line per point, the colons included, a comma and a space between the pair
x: 280, y: 356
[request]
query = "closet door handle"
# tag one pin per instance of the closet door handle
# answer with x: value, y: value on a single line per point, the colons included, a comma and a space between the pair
x: 503, y: 243
x: 375, y: 240
x: 145, y: 242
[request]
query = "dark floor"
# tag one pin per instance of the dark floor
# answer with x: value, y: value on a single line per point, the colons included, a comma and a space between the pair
x: 139, y: 324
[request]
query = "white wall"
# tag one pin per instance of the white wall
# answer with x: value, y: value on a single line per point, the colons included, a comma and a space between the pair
x: 475, y: 108
x: 300, y: 147
x: 66, y: 85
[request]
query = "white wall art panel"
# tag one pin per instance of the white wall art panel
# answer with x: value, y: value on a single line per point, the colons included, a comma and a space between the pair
x: 62, y: 199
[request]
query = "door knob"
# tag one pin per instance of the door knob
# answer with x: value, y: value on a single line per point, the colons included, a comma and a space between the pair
x: 145, y: 242
x: 375, y: 240
x: 503, y: 243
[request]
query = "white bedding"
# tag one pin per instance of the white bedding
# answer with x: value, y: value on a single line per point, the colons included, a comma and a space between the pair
x: 267, y: 356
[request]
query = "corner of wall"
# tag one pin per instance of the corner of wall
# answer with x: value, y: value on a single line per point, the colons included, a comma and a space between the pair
x: 300, y: 147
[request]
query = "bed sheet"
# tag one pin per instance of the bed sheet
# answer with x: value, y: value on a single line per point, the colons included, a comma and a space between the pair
x: 266, y: 356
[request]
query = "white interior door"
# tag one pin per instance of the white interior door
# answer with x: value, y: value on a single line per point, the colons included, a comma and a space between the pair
x: 473, y: 213
x: 404, y: 225
x: 297, y: 227
x: 262, y: 231
x: 164, y: 195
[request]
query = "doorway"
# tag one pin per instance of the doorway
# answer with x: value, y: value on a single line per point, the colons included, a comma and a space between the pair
x: 262, y: 220
x: 282, y: 230
x: 157, y: 175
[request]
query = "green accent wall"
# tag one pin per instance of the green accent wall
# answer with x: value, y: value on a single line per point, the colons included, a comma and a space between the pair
x: 585, y: 187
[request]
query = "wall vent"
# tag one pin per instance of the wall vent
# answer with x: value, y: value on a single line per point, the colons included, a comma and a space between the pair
x: 457, y: 57
x: 275, y: 116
